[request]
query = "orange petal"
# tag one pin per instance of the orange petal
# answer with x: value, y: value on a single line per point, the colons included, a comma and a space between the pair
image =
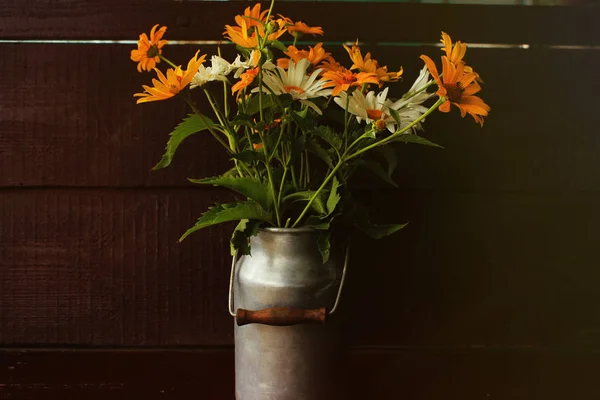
x: 448, y: 71
x: 459, y: 51
x: 447, y: 43
x: 475, y: 104
x: 472, y: 89
x: 432, y: 69
x: 445, y: 107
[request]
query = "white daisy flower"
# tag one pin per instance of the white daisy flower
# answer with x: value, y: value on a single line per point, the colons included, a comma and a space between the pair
x: 408, y: 115
x: 417, y: 93
x: 296, y: 82
x: 218, y: 71
x: 409, y: 107
x: 220, y: 66
x: 241, y: 66
x: 372, y: 108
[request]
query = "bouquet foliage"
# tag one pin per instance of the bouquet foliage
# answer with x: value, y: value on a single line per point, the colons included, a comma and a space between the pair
x: 296, y: 123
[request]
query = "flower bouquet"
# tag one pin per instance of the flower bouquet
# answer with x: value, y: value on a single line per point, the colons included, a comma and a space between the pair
x: 297, y: 123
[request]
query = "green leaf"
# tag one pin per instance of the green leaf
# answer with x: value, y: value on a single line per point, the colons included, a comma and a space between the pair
x: 268, y: 55
x: 318, y: 223
x: 253, y: 105
x: 334, y: 196
x: 285, y: 100
x: 411, y: 138
x: 192, y: 124
x: 320, y: 152
x: 377, y: 169
x: 248, y: 156
x: 249, y: 187
x: 395, y: 115
x: 302, y: 119
x: 379, y: 231
x: 318, y: 203
x: 243, y: 51
x: 390, y: 158
x: 243, y: 119
x: 330, y: 136
x: 278, y: 45
x: 324, y: 244
x: 240, y: 240
x: 229, y: 212
x: 360, y: 218
x: 230, y: 172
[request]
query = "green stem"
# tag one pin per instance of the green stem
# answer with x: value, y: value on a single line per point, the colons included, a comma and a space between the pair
x: 302, y: 170
x: 203, y: 118
x: 307, y: 163
x: 231, y: 137
x: 225, y: 92
x: 294, y: 181
x: 269, y: 13
x: 270, y: 177
x: 367, y: 133
x: 346, y: 121
x: 438, y: 103
x: 165, y: 59
x: 278, y: 140
x: 285, y: 170
x: 314, y: 196
x: 260, y: 107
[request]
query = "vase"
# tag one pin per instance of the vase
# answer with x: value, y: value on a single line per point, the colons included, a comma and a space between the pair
x: 287, y: 343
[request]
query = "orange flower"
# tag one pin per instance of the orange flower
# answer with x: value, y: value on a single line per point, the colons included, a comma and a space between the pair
x: 171, y: 84
x: 330, y: 64
x: 148, y: 51
x: 250, y: 27
x: 252, y: 16
x: 299, y: 28
x: 368, y: 64
x: 343, y: 79
x: 457, y: 53
x: 245, y: 80
x: 458, y: 87
x: 315, y: 55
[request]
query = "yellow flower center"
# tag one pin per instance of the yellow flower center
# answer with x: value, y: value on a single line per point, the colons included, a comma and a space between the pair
x: 288, y: 89
x: 380, y: 124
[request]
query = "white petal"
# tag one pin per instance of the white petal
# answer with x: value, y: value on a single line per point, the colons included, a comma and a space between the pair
x: 312, y: 105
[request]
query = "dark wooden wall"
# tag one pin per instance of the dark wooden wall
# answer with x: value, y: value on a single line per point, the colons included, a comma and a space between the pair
x: 492, y: 292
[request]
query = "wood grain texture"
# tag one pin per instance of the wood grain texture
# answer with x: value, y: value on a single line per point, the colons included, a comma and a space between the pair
x: 82, y: 127
x: 69, y: 118
x: 82, y: 267
x: 416, y: 374
x: 104, y: 268
x: 79, y: 19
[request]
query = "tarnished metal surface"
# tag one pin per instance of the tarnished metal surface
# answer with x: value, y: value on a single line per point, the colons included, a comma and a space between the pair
x: 285, y: 362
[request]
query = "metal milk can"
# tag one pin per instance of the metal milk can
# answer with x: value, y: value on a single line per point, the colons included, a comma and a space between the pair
x: 281, y: 297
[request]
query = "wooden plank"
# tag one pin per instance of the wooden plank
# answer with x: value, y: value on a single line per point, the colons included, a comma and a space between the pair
x: 72, y: 121
x: 417, y: 373
x: 82, y: 267
x: 78, y: 19
x: 104, y: 268
x: 72, y: 118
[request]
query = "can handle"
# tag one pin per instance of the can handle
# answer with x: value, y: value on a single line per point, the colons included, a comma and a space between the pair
x: 283, y: 316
